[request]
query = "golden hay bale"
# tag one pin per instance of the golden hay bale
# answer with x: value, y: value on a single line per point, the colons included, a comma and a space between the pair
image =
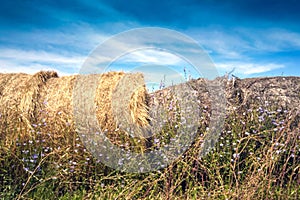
x: 19, y: 95
x: 57, y: 99
x: 44, y: 102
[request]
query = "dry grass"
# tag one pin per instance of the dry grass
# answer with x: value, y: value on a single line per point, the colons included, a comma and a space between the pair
x: 256, y: 156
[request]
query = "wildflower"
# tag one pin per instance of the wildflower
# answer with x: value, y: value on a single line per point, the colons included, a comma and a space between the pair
x: 236, y: 155
x: 120, y: 162
x: 278, y: 151
x: 35, y: 156
x: 293, y: 155
x: 275, y: 123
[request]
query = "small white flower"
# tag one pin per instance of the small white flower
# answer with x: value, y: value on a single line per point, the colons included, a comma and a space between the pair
x: 235, y: 155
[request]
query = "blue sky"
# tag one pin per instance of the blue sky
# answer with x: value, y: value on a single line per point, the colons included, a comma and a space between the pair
x: 257, y: 38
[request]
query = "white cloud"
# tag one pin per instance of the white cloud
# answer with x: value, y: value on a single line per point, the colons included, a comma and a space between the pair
x: 221, y: 42
x: 240, y: 43
x: 248, y: 68
x: 38, y: 56
x: 70, y: 49
x: 14, y: 60
x: 62, y: 50
x: 152, y: 57
x: 269, y: 40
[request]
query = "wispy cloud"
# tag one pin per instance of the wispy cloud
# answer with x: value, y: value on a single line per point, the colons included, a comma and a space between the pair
x: 38, y: 56
x: 152, y: 57
x: 66, y: 50
x: 240, y: 43
x: 15, y: 60
x: 244, y: 69
x: 277, y: 40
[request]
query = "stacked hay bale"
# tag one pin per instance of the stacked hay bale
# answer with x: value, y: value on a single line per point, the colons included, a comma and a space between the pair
x: 44, y: 101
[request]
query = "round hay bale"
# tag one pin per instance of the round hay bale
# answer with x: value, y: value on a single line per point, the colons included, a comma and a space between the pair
x: 46, y: 100
x: 57, y: 100
x: 43, y: 103
x: 19, y: 94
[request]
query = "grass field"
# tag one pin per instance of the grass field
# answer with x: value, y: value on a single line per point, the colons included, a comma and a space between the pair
x: 257, y: 157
